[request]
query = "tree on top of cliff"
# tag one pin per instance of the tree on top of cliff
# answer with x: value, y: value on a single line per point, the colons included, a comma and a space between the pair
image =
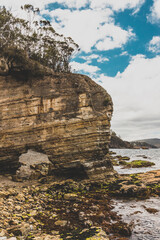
x: 22, y: 41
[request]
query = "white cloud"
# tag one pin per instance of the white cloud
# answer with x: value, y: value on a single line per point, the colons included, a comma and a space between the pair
x: 135, y: 94
x: 85, y: 26
x: 91, y: 57
x: 117, y: 5
x: 116, y: 37
x: 72, y: 3
x: 154, y: 16
x: 90, y: 27
x: 154, y: 44
x: 42, y: 3
x: 84, y: 67
x: 102, y: 59
x: 125, y: 53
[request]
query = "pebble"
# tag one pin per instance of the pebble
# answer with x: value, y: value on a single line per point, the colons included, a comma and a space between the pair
x: 61, y: 223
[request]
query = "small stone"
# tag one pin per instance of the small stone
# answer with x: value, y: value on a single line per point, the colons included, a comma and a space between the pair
x: 33, y: 213
x: 101, y: 215
x: 81, y: 216
x: 88, y: 223
x: 61, y: 223
x: 70, y: 196
x: 5, y: 213
x: 18, y: 208
x: 31, y: 220
x: 94, y: 208
x: 12, y: 238
x: 3, y: 233
x: 20, y: 197
x: 4, y: 194
x: 10, y: 177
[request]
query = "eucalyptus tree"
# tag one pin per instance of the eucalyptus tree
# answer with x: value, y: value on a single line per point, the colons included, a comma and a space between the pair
x: 34, y: 39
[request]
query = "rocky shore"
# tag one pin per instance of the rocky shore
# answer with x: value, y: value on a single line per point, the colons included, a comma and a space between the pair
x: 45, y: 208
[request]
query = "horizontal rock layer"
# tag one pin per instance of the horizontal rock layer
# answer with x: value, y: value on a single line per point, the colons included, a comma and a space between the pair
x: 66, y: 116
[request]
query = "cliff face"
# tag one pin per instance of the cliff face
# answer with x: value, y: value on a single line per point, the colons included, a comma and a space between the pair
x: 66, y: 116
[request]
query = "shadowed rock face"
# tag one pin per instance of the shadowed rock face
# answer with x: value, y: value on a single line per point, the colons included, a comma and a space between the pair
x: 66, y: 116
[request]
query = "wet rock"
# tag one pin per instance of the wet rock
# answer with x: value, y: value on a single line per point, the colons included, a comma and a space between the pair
x: 138, y: 164
x: 115, y: 162
x: 143, y: 156
x: 150, y: 210
x: 123, y: 229
x: 125, y: 158
x: 122, y: 162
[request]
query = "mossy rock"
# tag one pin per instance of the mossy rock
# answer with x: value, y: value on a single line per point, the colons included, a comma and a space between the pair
x: 112, y: 153
x: 115, y: 162
x: 139, y: 164
x: 125, y: 158
x: 122, y: 162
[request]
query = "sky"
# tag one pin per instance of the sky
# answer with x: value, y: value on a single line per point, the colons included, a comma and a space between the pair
x: 119, y: 49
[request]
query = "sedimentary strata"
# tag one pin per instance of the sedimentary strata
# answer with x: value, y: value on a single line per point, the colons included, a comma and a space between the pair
x: 66, y: 116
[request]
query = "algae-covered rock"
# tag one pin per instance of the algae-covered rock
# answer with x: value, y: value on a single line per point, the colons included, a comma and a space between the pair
x: 115, y: 162
x: 139, y: 164
x: 100, y: 235
x: 125, y: 158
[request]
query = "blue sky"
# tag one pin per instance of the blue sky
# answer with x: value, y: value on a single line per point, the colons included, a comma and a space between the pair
x: 120, y: 50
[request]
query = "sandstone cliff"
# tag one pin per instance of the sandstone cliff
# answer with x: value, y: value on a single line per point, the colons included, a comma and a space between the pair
x: 66, y: 116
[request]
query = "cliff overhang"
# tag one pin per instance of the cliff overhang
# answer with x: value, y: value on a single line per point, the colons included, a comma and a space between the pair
x: 66, y: 116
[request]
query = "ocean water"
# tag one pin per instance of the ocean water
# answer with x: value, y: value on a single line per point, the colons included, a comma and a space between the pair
x: 152, y: 155
x: 146, y: 225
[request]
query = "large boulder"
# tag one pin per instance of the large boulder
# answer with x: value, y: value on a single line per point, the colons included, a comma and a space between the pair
x: 66, y: 116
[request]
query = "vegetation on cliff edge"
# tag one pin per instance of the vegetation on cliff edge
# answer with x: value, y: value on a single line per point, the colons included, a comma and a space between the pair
x: 33, y: 42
